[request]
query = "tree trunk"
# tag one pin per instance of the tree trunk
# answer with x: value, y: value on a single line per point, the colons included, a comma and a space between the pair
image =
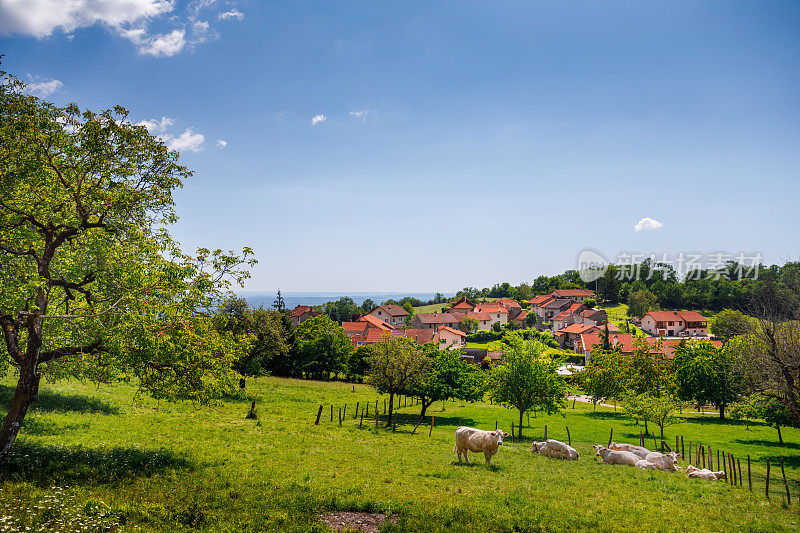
x: 662, y: 432
x: 391, y: 405
x: 646, y: 431
x: 722, y: 412
x: 780, y: 437
x: 425, y: 404
x: 520, y: 422
x: 25, y: 394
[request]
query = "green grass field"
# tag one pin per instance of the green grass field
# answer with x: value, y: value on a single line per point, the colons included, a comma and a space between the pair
x: 433, y: 308
x: 96, y: 457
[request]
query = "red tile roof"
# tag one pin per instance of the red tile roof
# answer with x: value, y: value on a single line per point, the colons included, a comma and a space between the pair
x: 539, y: 300
x: 626, y: 342
x: 355, y: 326
x: 462, y: 305
x: 509, y: 303
x: 571, y: 293
x: 300, y: 310
x: 576, y: 328
x: 520, y: 317
x: 686, y: 316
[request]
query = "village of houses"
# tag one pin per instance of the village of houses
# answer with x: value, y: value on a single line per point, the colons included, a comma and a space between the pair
x: 575, y: 326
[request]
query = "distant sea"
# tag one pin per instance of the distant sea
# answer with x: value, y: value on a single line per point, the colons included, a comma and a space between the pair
x: 293, y: 299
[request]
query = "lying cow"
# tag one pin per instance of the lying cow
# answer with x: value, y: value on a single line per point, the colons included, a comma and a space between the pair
x: 555, y: 449
x: 644, y: 464
x: 704, y: 473
x: 668, y: 462
x: 477, y: 440
x: 638, y: 450
x: 615, y: 457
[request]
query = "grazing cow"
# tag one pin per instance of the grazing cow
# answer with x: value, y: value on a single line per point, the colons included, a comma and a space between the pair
x: 615, y: 457
x: 645, y: 465
x: 668, y: 462
x: 638, y: 450
x: 555, y: 449
x: 477, y: 440
x: 704, y: 473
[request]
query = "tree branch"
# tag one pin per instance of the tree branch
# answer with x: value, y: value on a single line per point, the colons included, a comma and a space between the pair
x: 58, y: 353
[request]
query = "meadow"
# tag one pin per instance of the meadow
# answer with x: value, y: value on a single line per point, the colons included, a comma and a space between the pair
x: 102, y: 458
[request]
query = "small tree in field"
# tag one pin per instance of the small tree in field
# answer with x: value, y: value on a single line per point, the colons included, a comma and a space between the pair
x: 660, y: 410
x: 322, y: 346
x: 446, y: 376
x: 528, y: 379
x: 706, y: 374
x: 395, y: 365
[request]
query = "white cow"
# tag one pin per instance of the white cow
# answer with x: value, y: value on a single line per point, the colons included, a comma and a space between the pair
x: 638, y: 450
x: 704, y: 473
x: 478, y: 440
x: 645, y: 465
x: 555, y: 449
x: 616, y: 457
x: 668, y: 462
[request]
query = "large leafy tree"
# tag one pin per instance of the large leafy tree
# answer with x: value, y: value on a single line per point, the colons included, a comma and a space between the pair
x: 322, y: 347
x: 706, y: 374
x: 91, y: 279
x: 528, y: 378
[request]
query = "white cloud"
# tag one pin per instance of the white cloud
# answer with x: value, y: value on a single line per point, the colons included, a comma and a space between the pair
x: 155, y: 126
x: 359, y: 114
x: 647, y: 223
x: 221, y: 143
x: 40, y: 18
x: 164, y: 45
x: 43, y: 88
x: 232, y: 14
x: 317, y: 119
x: 187, y: 141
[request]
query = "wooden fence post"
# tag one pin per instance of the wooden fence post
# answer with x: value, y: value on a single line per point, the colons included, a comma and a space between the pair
x: 610, y: 437
x: 733, y: 469
x: 690, y: 451
x: 749, y: 479
x: 319, y: 413
x: 354, y: 388
x: 360, y: 422
x: 739, y: 467
x: 683, y: 451
x: 356, y: 414
x: 569, y: 438
x: 495, y: 425
x: 718, y: 463
x: 331, y: 412
x: 573, y: 403
x: 677, y: 444
x: 785, y: 484
x: 376, y: 407
x: 766, y: 489
x: 340, y: 416
x: 344, y: 412
x: 545, y: 432
x: 710, y: 457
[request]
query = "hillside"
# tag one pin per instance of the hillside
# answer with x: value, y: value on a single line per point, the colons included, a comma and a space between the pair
x: 164, y: 467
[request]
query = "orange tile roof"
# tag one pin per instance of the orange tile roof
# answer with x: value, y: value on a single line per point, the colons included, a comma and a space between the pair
x: 462, y: 305
x: 576, y: 328
x: 509, y: 303
x: 538, y: 300
x: 567, y: 293
x: 301, y: 309
x: 453, y: 331
x: 375, y: 322
x: 391, y: 310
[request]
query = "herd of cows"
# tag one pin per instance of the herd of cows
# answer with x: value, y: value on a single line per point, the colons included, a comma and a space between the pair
x: 489, y: 442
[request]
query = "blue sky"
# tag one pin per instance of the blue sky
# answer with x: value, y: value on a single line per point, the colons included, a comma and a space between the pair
x: 463, y: 143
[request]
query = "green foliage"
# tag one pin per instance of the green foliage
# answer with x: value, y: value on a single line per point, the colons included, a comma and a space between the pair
x: 605, y: 377
x: 728, y: 323
x: 445, y: 376
x: 660, y: 410
x: 358, y: 363
x: 706, y: 374
x: 497, y: 327
x: 396, y: 365
x: 640, y: 302
x: 341, y: 310
x: 590, y: 302
x: 527, y: 379
x: 322, y: 347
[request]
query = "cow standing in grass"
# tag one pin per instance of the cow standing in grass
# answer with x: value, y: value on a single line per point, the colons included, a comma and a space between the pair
x: 478, y: 440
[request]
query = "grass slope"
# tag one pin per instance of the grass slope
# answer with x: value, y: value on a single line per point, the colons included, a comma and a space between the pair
x: 109, y: 460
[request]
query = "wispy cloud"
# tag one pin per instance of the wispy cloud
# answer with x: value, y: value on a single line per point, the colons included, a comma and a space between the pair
x: 232, y: 14
x: 647, y: 223
x: 43, y: 88
x: 165, y: 45
x: 188, y: 141
x: 221, y: 143
x: 361, y: 115
x: 317, y: 119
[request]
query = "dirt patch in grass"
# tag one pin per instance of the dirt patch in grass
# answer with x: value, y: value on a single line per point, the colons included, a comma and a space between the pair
x: 355, y: 521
